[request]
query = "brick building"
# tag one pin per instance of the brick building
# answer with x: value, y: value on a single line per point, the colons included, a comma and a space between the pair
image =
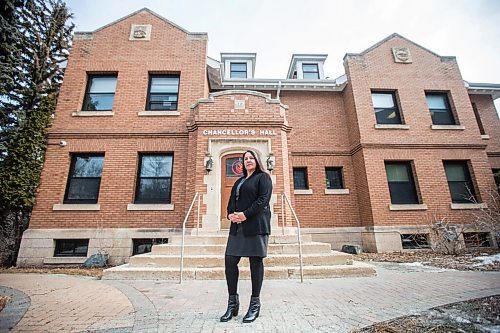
x: 145, y: 120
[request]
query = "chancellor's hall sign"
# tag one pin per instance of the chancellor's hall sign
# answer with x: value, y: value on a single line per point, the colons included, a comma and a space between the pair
x: 239, y: 132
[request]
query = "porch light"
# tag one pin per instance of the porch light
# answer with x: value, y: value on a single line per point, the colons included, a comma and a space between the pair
x: 270, y: 162
x: 209, y: 163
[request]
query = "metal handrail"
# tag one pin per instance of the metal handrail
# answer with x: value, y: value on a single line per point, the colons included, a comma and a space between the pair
x: 298, y: 231
x: 184, y: 232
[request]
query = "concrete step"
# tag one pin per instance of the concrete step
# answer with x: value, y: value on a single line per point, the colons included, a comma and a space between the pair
x: 222, y: 239
x: 219, y: 249
x: 149, y: 260
x: 127, y: 272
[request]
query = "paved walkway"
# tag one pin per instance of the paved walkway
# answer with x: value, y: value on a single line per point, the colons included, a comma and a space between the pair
x: 61, y: 303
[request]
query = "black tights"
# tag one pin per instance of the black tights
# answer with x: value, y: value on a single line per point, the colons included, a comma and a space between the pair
x: 232, y: 274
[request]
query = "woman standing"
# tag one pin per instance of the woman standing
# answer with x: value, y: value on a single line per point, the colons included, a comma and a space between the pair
x: 250, y: 215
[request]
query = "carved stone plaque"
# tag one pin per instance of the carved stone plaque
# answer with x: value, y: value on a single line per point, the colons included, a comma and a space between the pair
x: 239, y: 104
x: 402, y: 55
x: 140, y: 32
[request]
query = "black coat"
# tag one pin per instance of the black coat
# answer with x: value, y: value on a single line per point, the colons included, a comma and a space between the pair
x: 253, y: 201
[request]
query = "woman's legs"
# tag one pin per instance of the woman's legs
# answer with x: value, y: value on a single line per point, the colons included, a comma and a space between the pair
x: 232, y: 274
x: 257, y: 273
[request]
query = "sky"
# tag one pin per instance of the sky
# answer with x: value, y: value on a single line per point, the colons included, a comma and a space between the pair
x: 276, y: 29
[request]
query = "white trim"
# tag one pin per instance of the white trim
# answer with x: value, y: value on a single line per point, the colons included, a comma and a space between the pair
x: 392, y: 126
x: 448, y: 127
x: 150, y: 207
x: 93, y: 114
x: 76, y: 207
x: 485, y: 137
x: 303, y: 192
x: 336, y: 191
x: 408, y: 207
x: 468, y: 205
x: 158, y: 113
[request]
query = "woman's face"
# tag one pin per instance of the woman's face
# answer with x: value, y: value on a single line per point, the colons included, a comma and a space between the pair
x: 250, y: 163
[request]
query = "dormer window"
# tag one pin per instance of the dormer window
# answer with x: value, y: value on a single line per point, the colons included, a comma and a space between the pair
x: 237, y: 66
x: 310, y: 71
x: 307, y: 67
x: 238, y: 70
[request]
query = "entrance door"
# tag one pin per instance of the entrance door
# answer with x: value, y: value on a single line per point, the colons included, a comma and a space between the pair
x: 232, y: 169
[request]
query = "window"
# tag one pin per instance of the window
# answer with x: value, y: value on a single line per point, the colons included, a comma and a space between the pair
x: 100, y: 93
x: 71, y: 247
x: 144, y: 245
x: 386, y: 108
x: 310, y: 71
x: 238, y: 70
x: 440, y: 109
x: 478, y: 119
x: 496, y: 176
x: 401, y: 184
x: 459, y: 181
x: 415, y: 241
x: 163, y: 92
x: 300, y: 179
x: 84, y: 179
x: 154, y: 180
x: 334, y: 178
x: 477, y: 239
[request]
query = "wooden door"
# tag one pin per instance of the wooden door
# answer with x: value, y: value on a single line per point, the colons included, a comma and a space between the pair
x: 232, y: 169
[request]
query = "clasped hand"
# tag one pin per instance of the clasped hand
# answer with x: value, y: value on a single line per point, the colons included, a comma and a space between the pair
x: 237, y: 217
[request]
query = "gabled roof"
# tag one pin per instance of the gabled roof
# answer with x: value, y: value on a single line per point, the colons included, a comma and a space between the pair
x: 394, y: 35
x: 137, y: 12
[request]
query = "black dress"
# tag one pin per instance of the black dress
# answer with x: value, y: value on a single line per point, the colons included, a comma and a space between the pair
x: 240, y: 245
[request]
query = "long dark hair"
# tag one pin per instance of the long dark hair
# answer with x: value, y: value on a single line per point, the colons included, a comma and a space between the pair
x: 259, y: 168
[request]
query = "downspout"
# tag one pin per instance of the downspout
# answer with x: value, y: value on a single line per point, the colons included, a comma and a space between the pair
x: 278, y: 91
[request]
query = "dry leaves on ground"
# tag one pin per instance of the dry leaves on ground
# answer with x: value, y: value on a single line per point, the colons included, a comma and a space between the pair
x: 463, y: 262
x: 94, y: 272
x: 3, y: 301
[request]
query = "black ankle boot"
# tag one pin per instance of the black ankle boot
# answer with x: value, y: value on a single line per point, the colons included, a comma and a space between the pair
x: 253, y: 310
x: 233, y: 305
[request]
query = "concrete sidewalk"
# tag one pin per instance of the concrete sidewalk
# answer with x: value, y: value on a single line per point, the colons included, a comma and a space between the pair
x: 61, y: 303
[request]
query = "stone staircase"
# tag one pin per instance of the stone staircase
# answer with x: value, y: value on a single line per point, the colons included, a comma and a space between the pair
x: 204, y: 259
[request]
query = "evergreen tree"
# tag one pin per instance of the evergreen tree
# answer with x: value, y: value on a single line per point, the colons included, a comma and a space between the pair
x: 37, y: 35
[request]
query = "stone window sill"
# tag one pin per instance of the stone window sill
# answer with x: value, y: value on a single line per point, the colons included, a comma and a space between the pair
x: 408, y: 207
x: 64, y: 260
x: 448, y: 127
x: 303, y: 192
x: 485, y: 136
x: 93, y: 114
x: 150, y: 207
x: 76, y: 207
x: 158, y: 113
x: 468, y: 205
x: 336, y: 191
x: 392, y: 126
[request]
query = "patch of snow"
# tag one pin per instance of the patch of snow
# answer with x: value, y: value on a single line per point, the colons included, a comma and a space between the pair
x: 488, y: 329
x: 459, y: 319
x: 413, y: 264
x: 487, y: 260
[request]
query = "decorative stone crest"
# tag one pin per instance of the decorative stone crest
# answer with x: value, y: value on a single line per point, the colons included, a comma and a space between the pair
x: 140, y: 32
x: 402, y: 55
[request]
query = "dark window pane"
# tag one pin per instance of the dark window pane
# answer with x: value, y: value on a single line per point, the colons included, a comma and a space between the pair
x: 154, y: 190
x: 415, y: 241
x: 440, y: 109
x: 144, y: 245
x: 238, y: 70
x: 99, y: 102
x: 100, y: 93
x: 477, y: 239
x: 459, y: 181
x: 386, y: 110
x: 156, y: 166
x: 88, y: 166
x: 234, y: 167
x: 154, y: 181
x: 334, y: 178
x: 300, y: 179
x: 71, y: 247
x: 84, y: 179
x: 163, y: 93
x: 401, y: 183
x: 83, y: 189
